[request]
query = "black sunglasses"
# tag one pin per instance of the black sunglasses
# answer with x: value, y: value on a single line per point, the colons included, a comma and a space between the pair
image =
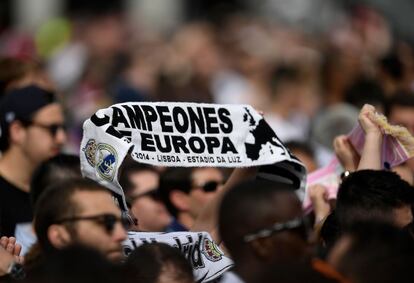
x: 210, y: 186
x: 294, y: 224
x: 52, y: 128
x: 107, y: 221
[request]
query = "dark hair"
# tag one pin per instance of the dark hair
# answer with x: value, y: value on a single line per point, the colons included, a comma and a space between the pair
x: 363, y: 91
x: 402, y: 99
x: 75, y: 264
x: 301, y: 146
x: 371, y: 194
x: 245, y: 209
x: 378, y: 252
x: 130, y: 167
x: 283, y: 74
x: 330, y: 232
x: 56, y: 203
x: 147, y: 262
x: 392, y: 65
x: 175, y: 178
x: 58, y: 168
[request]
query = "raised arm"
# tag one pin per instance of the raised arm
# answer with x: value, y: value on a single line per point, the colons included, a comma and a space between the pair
x: 346, y: 153
x: 371, y: 153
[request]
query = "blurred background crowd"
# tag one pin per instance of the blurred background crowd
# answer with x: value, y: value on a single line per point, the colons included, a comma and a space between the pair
x: 308, y: 65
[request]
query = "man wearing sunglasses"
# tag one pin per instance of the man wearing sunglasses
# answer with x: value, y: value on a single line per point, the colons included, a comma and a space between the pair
x: 186, y: 191
x: 140, y: 184
x: 260, y: 223
x: 31, y: 131
x: 80, y: 211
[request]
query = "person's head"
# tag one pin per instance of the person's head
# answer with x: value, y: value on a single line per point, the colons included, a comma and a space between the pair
x: 400, y: 110
x: 75, y: 264
x: 140, y: 183
x: 261, y: 221
x: 79, y: 211
x: 285, y: 83
x: 374, y: 252
x: 31, y: 123
x: 188, y: 190
x: 365, y: 91
x: 305, y: 153
x: 158, y: 263
x: 58, y: 168
x: 374, y: 195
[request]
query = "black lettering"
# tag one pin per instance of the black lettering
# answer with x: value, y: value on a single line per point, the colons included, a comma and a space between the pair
x: 197, y: 259
x: 179, y: 245
x: 179, y: 143
x: 150, y: 115
x: 227, y: 126
x: 127, y: 251
x: 136, y: 117
x: 147, y: 143
x: 134, y: 244
x: 212, y: 142
x: 160, y: 147
x: 196, y: 148
x: 118, y: 117
x: 113, y: 132
x: 126, y: 134
x: 196, y: 118
x: 164, y: 119
x: 228, y: 146
x: 99, y: 121
x: 178, y: 112
x: 210, y: 120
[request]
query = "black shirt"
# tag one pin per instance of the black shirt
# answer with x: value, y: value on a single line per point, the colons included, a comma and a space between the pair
x: 15, y: 207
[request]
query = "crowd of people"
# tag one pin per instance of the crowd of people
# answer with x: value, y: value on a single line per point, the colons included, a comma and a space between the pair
x: 56, y: 226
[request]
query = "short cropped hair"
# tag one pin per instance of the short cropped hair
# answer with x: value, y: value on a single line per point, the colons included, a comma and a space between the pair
x: 56, y: 203
x: 244, y: 209
x: 175, y: 178
x: 402, y: 99
x: 130, y: 167
x: 371, y: 194
x: 58, y: 168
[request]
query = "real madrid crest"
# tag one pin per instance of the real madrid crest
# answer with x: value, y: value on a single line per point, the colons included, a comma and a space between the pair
x: 211, y: 251
x: 102, y: 157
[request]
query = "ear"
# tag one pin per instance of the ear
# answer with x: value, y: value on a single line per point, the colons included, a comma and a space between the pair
x: 263, y: 248
x: 17, y: 132
x: 180, y: 200
x: 58, y: 236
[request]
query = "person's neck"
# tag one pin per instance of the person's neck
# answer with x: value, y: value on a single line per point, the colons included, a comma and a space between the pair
x: 185, y: 219
x: 17, y: 169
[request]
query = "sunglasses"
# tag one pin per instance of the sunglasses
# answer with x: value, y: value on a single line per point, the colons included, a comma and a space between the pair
x: 52, y: 129
x: 210, y: 186
x: 107, y: 221
x: 294, y: 224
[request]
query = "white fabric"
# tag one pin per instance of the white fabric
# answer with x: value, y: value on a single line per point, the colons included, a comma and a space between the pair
x: 185, y: 135
x: 230, y: 277
x: 206, y: 258
x: 25, y: 236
